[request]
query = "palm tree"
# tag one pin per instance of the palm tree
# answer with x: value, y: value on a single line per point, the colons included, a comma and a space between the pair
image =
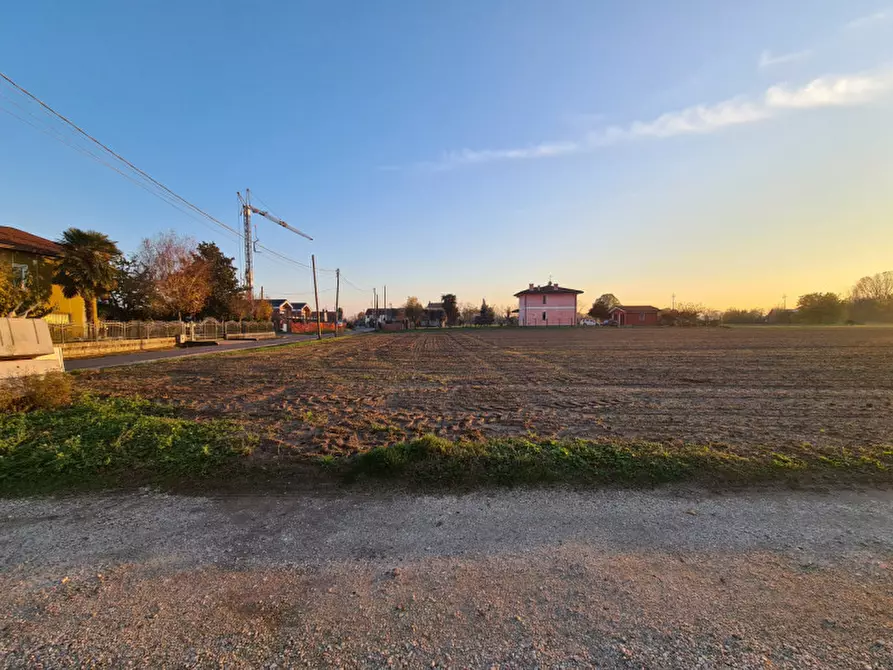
x: 87, y: 267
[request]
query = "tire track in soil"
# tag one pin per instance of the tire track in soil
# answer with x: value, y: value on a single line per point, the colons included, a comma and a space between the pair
x: 766, y: 387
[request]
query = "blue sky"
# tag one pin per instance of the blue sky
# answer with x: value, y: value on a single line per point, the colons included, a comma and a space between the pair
x: 726, y: 152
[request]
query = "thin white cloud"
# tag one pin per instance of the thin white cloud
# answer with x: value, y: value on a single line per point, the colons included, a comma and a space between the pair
x: 544, y: 150
x: 870, y: 19
x: 828, y: 91
x: 768, y: 59
x: 699, y: 119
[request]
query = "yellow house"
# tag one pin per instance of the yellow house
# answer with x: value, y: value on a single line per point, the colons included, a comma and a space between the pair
x: 33, y: 256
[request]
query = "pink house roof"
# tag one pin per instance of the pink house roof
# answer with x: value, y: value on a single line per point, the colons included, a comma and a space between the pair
x: 548, y: 288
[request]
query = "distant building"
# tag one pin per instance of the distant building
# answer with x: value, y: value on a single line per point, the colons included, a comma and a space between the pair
x: 385, y: 315
x: 549, y: 305
x: 636, y: 315
x: 325, y: 316
x: 33, y: 258
x: 434, y: 316
x: 286, y: 312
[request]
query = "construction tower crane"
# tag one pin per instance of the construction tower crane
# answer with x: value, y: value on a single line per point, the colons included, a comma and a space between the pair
x: 247, y: 210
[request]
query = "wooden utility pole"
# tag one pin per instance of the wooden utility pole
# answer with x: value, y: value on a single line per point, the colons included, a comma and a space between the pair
x: 387, y: 314
x: 337, y: 292
x: 316, y: 297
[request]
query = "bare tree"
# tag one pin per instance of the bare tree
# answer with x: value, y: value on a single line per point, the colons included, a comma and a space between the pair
x: 685, y: 314
x: 502, y: 314
x: 878, y: 287
x: 467, y: 312
x: 180, y: 278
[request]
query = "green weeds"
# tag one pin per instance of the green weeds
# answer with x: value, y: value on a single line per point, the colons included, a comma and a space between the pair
x: 112, y: 442
x: 432, y: 460
x: 115, y: 443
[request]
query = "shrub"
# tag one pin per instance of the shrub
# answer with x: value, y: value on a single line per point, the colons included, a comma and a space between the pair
x: 36, y: 392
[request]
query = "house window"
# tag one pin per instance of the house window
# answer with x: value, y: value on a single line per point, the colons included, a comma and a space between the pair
x: 544, y: 300
x: 641, y: 316
x: 544, y: 316
x: 19, y: 274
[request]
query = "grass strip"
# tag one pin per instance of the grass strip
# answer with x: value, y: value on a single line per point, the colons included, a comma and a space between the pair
x: 99, y: 443
x: 434, y: 461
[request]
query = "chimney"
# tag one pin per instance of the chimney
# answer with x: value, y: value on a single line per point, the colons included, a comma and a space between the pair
x: 531, y: 286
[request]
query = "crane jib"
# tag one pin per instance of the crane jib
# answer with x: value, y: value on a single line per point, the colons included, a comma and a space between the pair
x: 276, y: 219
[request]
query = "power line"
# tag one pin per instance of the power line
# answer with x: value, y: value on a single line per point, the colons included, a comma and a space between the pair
x: 350, y: 283
x: 160, y: 191
x: 116, y: 155
x: 60, y: 137
x: 280, y: 256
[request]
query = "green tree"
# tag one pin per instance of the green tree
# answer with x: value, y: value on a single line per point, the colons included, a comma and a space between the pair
x: 87, y: 267
x: 733, y: 315
x: 262, y: 311
x: 23, y: 298
x: 820, y: 308
x: 222, y: 275
x: 601, y: 308
x: 685, y: 314
x: 486, y: 316
x: 451, y: 308
x: 413, y: 310
x: 132, y: 296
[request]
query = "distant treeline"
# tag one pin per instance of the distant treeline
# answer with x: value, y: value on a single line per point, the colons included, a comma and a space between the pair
x: 870, y: 301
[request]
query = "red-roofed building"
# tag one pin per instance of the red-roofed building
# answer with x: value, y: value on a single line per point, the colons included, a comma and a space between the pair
x: 636, y: 315
x: 549, y: 305
x: 33, y: 259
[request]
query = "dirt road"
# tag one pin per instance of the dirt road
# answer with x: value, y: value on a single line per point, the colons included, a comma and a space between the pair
x: 611, y: 579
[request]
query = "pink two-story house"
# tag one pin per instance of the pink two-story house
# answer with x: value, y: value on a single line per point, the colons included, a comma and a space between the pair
x: 549, y: 305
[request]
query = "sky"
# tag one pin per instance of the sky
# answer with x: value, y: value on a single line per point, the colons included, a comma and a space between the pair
x: 728, y: 153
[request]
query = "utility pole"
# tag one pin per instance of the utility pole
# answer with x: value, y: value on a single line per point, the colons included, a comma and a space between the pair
x: 387, y: 314
x: 375, y: 305
x: 337, y: 292
x: 316, y: 297
x: 784, y: 300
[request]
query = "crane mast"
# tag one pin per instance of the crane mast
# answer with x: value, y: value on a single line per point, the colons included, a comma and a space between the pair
x: 247, y: 210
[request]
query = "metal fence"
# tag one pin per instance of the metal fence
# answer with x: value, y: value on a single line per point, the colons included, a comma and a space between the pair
x: 209, y: 329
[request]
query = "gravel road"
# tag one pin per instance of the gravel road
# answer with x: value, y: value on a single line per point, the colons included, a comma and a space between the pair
x: 510, y: 579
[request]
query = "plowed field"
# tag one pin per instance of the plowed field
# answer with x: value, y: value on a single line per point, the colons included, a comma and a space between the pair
x: 747, y: 387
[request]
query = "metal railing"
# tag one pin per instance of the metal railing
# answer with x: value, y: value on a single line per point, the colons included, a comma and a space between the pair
x: 209, y: 329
